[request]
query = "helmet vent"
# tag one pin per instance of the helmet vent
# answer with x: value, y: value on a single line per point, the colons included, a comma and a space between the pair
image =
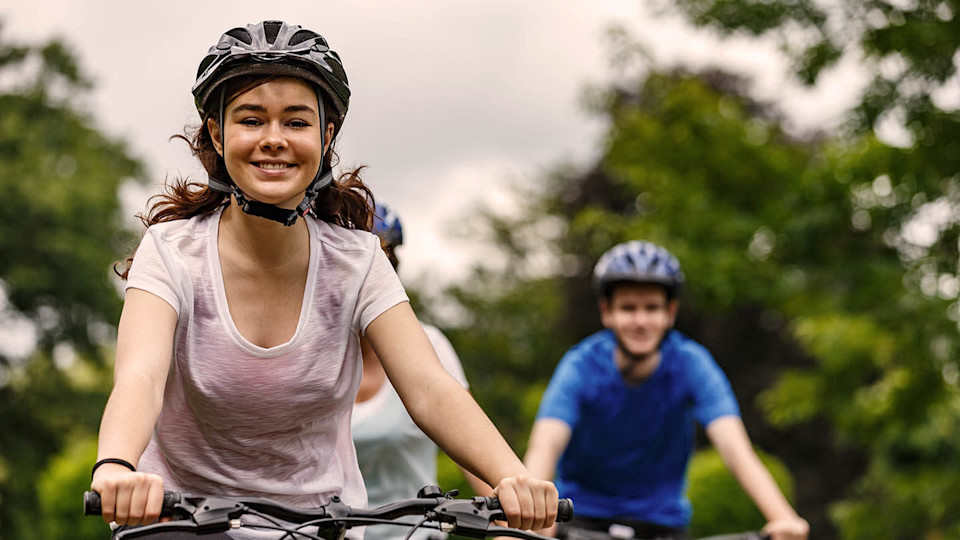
x: 205, y: 64
x: 271, y: 29
x: 301, y: 36
x: 241, y: 34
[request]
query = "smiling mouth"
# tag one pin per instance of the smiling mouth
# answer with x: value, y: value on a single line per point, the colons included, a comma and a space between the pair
x: 273, y: 166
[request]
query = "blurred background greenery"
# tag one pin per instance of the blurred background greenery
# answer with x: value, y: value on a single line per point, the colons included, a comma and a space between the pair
x: 822, y: 268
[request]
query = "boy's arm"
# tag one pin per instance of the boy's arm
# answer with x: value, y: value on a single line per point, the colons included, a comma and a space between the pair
x: 548, y: 439
x: 729, y: 437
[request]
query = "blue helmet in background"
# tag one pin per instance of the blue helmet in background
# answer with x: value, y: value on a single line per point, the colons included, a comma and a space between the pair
x: 638, y: 261
x: 386, y: 225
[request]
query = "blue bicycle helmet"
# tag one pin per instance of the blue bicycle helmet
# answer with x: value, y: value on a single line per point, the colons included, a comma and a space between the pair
x: 386, y: 225
x: 280, y: 49
x: 638, y: 261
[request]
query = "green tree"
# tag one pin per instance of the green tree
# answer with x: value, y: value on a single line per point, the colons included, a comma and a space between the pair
x: 60, y: 231
x: 906, y: 347
x: 830, y: 321
x: 59, y: 486
x: 907, y: 47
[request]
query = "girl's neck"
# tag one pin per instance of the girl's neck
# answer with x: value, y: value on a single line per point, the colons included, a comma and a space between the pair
x: 263, y: 242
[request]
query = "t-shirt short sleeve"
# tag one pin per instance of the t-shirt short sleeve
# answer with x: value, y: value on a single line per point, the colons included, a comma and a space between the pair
x: 380, y: 291
x: 447, y: 355
x: 710, y: 389
x: 562, y: 398
x: 149, y: 272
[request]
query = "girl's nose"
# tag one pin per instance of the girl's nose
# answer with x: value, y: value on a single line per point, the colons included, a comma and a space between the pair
x: 272, y: 139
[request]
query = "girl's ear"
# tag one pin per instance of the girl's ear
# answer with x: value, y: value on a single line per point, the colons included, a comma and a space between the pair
x: 328, y: 136
x: 214, y: 128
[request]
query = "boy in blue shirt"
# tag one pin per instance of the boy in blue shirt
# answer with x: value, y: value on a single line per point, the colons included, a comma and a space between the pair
x: 616, y: 423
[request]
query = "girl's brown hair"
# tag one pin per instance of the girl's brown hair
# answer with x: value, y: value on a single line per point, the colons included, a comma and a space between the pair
x: 346, y: 201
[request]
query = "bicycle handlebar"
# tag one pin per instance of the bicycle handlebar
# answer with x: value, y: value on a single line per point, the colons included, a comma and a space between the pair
x: 202, y: 514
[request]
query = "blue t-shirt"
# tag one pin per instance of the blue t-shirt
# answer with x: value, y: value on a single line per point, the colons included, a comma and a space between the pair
x: 627, y: 457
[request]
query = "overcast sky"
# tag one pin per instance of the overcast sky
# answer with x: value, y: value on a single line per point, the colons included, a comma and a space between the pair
x: 452, y: 100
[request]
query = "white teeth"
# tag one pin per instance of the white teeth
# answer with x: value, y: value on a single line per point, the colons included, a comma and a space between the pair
x: 272, y: 166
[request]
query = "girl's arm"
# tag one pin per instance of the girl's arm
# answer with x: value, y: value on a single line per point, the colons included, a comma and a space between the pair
x: 478, y: 486
x: 447, y: 413
x: 144, y: 349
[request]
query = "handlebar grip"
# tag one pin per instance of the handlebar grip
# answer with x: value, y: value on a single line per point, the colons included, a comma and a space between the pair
x: 564, y: 508
x: 91, y: 503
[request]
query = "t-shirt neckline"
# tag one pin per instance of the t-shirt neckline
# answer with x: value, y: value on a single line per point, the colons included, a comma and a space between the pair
x: 223, y: 307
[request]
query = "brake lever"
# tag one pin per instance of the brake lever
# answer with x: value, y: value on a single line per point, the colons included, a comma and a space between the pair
x: 470, y: 517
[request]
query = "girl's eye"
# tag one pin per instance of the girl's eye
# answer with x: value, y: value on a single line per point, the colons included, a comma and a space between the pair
x: 250, y: 122
x: 299, y: 124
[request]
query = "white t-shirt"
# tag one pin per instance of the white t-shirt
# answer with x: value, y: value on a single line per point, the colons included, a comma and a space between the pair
x: 396, y: 458
x: 239, y: 419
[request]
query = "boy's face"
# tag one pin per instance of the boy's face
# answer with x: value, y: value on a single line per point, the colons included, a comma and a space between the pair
x: 639, y: 315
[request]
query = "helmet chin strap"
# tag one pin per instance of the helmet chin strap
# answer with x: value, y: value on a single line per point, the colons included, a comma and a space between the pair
x: 633, y: 358
x: 273, y: 212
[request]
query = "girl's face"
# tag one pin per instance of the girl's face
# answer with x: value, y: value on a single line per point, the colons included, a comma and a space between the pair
x: 273, y: 140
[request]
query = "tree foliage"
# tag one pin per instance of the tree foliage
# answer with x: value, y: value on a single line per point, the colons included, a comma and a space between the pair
x: 59, y: 486
x: 904, y: 416
x: 832, y: 322
x: 721, y: 506
x: 60, y: 231
x: 908, y: 47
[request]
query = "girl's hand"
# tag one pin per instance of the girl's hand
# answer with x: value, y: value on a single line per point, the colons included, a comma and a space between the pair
x: 528, y: 503
x: 127, y: 497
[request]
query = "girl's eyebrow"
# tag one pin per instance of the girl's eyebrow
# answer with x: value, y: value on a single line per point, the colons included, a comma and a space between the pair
x: 253, y: 107
x: 299, y: 108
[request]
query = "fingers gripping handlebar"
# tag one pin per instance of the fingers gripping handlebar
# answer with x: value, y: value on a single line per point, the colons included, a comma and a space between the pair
x: 91, y: 503
x: 200, y: 514
x: 564, y: 508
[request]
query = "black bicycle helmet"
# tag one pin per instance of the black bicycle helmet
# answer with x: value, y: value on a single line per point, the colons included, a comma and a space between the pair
x: 638, y: 261
x: 273, y: 48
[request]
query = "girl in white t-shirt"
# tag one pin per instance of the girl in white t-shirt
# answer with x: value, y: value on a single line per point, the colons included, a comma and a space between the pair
x: 238, y: 357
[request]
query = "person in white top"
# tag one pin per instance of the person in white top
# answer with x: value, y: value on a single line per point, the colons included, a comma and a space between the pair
x: 395, y: 456
x: 238, y: 358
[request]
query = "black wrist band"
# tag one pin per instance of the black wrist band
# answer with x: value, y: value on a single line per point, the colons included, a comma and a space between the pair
x: 123, y: 462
